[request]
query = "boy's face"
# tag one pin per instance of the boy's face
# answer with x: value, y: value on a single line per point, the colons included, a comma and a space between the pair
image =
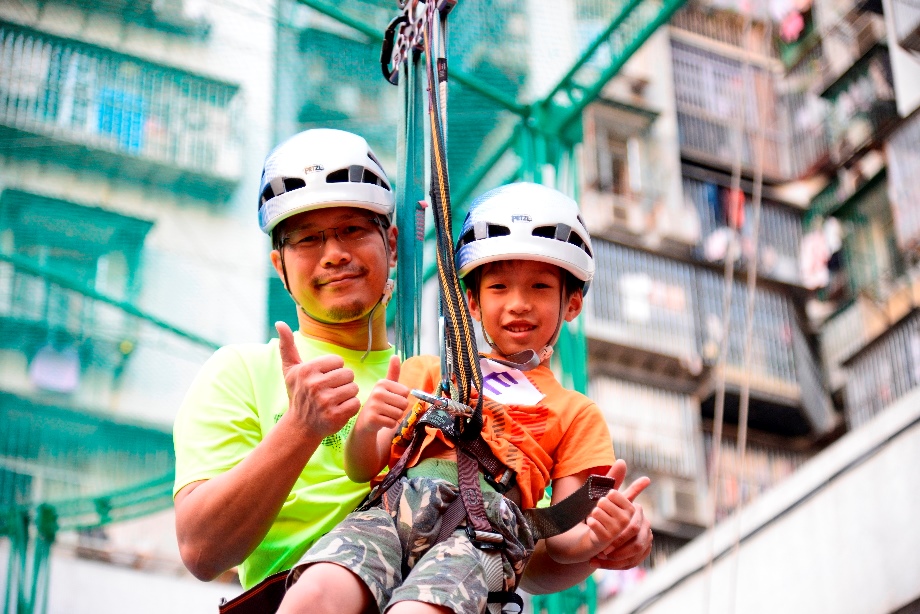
x: 519, y: 304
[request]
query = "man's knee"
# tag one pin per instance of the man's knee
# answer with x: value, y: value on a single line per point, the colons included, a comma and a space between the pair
x: 326, y: 588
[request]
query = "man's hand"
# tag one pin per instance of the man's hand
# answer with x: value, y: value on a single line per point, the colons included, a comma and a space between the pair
x: 634, y: 543
x: 322, y: 393
x: 386, y: 404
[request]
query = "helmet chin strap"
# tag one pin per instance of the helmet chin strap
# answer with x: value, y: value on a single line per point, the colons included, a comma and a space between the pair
x: 526, y: 360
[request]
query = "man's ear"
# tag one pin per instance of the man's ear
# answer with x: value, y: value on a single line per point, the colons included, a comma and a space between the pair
x: 276, y: 263
x: 474, y: 305
x: 392, y: 236
x: 576, y: 302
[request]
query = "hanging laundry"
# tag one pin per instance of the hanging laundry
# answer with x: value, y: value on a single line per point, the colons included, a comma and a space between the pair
x: 813, y: 259
x: 734, y: 208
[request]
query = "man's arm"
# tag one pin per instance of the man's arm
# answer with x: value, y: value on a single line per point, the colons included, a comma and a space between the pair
x: 367, y: 448
x: 220, y: 521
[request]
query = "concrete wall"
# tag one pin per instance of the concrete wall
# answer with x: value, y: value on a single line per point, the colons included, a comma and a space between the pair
x: 841, y: 535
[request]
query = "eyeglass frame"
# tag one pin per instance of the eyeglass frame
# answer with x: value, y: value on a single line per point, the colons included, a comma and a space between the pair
x: 298, y: 245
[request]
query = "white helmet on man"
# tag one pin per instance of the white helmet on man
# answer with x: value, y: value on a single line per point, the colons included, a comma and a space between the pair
x: 526, y: 221
x: 322, y: 168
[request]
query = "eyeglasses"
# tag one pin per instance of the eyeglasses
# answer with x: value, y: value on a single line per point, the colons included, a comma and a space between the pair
x: 348, y: 233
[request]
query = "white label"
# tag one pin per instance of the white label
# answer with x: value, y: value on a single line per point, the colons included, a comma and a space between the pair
x: 507, y: 385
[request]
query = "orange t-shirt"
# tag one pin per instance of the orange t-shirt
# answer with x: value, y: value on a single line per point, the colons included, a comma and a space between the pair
x: 562, y: 434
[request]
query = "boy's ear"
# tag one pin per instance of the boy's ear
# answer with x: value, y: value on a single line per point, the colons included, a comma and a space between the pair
x: 474, y: 305
x: 576, y: 302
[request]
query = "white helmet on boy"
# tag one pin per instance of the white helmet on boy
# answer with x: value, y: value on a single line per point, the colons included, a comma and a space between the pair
x: 322, y: 168
x: 526, y: 221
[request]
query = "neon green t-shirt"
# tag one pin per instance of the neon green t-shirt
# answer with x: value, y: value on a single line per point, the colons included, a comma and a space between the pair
x: 237, y: 397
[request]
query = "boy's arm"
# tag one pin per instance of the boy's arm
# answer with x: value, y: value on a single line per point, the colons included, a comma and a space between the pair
x: 367, y: 448
x: 632, y: 546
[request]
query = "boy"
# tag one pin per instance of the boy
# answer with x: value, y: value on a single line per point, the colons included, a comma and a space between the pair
x: 526, y: 261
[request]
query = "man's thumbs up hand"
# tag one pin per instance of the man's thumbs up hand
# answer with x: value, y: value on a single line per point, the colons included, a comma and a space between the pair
x: 322, y: 393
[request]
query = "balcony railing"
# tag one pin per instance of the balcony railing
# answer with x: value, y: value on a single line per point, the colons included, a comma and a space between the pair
x: 883, y: 372
x: 714, y: 112
x: 142, y: 121
x: 782, y: 365
x: 639, y: 300
x: 723, y: 26
x: 780, y: 231
x: 664, y: 437
x: 764, y: 467
x: 862, y: 104
x: 664, y: 440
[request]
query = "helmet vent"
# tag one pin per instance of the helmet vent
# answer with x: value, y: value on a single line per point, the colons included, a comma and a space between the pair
x: 562, y: 232
x: 290, y: 184
x: 496, y: 230
x: 357, y: 174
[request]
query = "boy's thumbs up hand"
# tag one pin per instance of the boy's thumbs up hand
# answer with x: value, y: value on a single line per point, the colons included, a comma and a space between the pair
x: 387, y: 402
x: 322, y: 394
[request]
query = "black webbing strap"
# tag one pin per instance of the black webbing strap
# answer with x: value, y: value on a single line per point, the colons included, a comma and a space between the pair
x: 559, y: 518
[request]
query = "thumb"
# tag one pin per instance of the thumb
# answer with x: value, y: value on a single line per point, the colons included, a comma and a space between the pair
x: 618, y: 472
x: 393, y: 370
x: 289, y: 354
x: 636, y: 487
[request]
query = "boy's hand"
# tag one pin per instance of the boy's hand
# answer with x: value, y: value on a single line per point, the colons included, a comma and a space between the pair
x: 386, y: 404
x: 633, y: 543
x: 322, y: 393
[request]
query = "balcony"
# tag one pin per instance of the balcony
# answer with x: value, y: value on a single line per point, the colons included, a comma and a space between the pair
x: 171, y: 16
x: 864, y: 320
x: 783, y: 374
x: 718, y: 121
x: 91, y: 108
x: 639, y: 316
x: 779, y: 239
x: 862, y: 105
x: 884, y: 371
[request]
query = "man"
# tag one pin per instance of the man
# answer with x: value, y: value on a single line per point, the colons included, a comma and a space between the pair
x: 259, y: 460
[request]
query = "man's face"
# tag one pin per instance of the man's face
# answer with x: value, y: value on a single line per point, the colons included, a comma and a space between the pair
x: 336, y: 262
x: 520, y: 303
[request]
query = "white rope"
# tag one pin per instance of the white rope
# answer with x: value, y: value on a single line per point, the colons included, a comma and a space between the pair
x: 727, y: 296
x: 749, y: 333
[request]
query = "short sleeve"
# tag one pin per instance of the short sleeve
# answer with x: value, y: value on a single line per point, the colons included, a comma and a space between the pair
x: 217, y: 424
x: 420, y: 372
x: 586, y: 444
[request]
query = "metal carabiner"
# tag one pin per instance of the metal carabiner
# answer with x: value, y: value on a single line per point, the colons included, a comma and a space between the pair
x: 386, y: 52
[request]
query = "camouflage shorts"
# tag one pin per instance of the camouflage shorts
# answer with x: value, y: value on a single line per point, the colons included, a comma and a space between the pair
x: 391, y: 549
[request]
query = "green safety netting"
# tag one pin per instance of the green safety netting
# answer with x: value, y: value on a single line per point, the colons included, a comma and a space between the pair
x: 69, y: 457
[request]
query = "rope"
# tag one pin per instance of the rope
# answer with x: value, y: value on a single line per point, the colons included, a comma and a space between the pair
x: 462, y: 357
x: 749, y: 331
x: 727, y: 296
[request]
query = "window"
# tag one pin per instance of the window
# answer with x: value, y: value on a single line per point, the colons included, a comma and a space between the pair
x: 81, y: 247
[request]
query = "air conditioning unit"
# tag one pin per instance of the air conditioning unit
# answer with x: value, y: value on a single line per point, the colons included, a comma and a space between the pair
x: 680, y: 500
x: 604, y: 211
